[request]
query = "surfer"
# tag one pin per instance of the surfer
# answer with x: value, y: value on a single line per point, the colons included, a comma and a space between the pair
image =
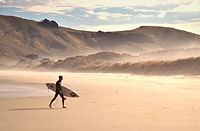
x: 58, y: 92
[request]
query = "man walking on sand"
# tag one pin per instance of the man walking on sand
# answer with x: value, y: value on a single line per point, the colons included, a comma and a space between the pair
x: 58, y: 91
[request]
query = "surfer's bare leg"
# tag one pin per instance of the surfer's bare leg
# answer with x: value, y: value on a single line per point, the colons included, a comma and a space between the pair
x: 63, y: 100
x: 53, y: 99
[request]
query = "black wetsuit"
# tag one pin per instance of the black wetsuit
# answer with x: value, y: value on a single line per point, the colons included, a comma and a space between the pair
x: 58, y: 91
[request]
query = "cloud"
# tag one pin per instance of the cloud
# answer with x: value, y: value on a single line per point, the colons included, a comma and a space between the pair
x: 60, y: 6
x: 179, y: 21
x: 44, y: 6
x: 122, y: 3
x: 107, y: 15
x: 91, y: 12
x: 196, y: 19
x: 144, y: 10
x: 161, y: 14
x: 144, y: 16
x: 192, y: 6
x: 48, y: 9
x: 103, y: 15
x: 2, y: 1
x: 86, y: 15
x: 98, y: 3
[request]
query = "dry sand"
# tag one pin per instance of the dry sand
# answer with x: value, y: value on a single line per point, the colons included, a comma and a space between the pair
x: 116, y: 102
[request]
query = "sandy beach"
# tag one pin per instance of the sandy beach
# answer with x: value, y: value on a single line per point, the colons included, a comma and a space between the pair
x: 116, y: 102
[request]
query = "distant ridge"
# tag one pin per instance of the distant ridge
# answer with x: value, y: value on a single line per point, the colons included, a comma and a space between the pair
x: 20, y: 37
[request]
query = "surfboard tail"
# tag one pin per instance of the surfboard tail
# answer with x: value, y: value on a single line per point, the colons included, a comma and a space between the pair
x: 47, y: 84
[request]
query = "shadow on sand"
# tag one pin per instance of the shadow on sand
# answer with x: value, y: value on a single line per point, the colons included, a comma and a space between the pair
x: 29, y: 109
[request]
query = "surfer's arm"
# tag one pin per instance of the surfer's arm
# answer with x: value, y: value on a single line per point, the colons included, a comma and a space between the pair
x: 58, y: 86
x: 59, y: 89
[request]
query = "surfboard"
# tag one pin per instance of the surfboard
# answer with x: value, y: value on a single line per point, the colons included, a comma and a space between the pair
x: 66, y: 92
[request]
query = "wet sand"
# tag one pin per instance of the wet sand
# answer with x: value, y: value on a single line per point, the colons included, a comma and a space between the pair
x: 115, y: 102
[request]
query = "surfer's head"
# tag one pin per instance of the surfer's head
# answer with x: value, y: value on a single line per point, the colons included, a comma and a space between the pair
x: 60, y: 77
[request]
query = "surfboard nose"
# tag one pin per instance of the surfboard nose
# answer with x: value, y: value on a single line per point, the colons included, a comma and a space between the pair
x: 74, y: 94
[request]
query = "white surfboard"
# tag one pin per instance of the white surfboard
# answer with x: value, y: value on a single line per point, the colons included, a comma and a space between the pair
x: 66, y: 92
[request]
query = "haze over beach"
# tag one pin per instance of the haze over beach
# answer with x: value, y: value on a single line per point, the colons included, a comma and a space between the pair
x: 134, y: 65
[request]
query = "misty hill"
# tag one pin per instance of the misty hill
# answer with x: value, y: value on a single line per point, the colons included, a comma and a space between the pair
x: 147, y: 39
x: 93, y: 60
x: 170, y: 54
x: 189, y: 66
x: 170, y: 38
x: 20, y: 37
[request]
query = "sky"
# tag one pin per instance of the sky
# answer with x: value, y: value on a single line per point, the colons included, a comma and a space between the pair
x: 109, y: 15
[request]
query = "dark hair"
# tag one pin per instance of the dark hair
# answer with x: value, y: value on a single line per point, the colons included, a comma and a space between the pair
x: 60, y: 77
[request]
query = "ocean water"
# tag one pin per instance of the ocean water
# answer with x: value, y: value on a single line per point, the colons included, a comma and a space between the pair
x: 23, y: 90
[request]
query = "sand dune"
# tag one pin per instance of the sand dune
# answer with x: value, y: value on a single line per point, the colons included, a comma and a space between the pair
x: 187, y: 66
